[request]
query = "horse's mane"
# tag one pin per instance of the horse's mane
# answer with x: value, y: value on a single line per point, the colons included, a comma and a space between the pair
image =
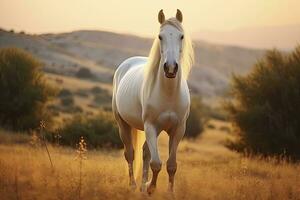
x: 187, y: 56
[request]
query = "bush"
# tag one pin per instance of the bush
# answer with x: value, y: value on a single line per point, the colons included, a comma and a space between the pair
x: 67, y: 101
x: 98, y: 131
x: 82, y: 93
x: 102, y: 98
x: 194, y: 124
x: 97, y: 90
x: 266, y: 106
x: 24, y: 92
x: 84, y: 72
x: 211, y: 126
x: 64, y: 93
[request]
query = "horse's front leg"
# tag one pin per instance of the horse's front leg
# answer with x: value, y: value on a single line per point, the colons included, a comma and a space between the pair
x: 146, y: 165
x: 175, y: 137
x: 155, y: 163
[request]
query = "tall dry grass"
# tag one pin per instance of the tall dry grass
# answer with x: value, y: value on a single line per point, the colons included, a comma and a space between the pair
x: 206, y: 170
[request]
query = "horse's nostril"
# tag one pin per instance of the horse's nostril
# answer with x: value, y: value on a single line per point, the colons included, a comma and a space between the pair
x: 176, y: 67
x: 165, y: 67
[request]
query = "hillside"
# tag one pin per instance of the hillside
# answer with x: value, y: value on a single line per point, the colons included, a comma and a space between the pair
x: 102, y: 52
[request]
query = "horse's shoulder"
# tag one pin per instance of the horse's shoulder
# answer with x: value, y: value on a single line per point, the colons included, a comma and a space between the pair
x: 127, y: 65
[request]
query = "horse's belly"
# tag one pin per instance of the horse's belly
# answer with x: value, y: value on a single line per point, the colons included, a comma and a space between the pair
x: 133, y: 119
x: 128, y: 98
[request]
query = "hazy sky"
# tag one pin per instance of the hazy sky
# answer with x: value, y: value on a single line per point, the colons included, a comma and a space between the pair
x: 140, y: 16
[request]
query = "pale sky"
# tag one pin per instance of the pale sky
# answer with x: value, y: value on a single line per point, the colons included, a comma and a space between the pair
x: 140, y: 16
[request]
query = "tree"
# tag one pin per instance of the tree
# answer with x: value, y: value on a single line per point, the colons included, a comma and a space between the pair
x: 23, y: 89
x: 266, y: 106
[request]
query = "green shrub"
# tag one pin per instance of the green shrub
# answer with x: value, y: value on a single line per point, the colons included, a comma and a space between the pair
x: 67, y: 101
x: 82, y: 93
x: 194, y: 124
x: 84, y: 72
x: 225, y: 129
x: 24, y: 92
x: 211, y: 126
x: 266, y: 106
x: 64, y: 93
x: 97, y: 90
x: 107, y: 108
x: 98, y: 131
x: 77, y: 109
x: 11, y: 137
x: 102, y: 98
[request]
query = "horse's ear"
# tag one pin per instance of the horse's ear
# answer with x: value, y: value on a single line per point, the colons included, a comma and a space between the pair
x: 161, y: 16
x: 179, y: 15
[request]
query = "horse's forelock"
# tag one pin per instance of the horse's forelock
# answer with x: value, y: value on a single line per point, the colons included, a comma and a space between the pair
x: 173, y: 22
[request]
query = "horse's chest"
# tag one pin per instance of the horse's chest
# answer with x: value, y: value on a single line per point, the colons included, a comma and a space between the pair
x: 167, y: 120
x: 164, y: 116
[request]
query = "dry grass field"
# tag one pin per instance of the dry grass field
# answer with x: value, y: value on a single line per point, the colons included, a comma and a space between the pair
x: 206, y: 170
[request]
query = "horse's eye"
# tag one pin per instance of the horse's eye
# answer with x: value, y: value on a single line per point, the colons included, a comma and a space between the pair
x: 182, y: 37
x: 159, y: 37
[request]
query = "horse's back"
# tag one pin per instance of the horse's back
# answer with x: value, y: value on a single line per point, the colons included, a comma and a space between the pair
x: 128, y: 80
x: 126, y: 65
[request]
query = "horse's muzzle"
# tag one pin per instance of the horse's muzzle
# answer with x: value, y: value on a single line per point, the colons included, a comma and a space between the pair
x: 173, y: 68
x: 170, y: 75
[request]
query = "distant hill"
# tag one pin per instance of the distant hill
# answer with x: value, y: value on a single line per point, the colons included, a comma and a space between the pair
x: 281, y: 37
x: 102, y: 52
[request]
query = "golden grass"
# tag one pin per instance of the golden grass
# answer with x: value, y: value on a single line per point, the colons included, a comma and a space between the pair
x: 206, y: 170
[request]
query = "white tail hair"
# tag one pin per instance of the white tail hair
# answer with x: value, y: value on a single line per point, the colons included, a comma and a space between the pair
x: 138, y: 139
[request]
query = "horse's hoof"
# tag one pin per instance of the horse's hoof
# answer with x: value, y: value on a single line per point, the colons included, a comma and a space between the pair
x: 133, y: 186
x: 170, y: 189
x: 143, y: 187
x: 150, y: 188
x: 171, y: 193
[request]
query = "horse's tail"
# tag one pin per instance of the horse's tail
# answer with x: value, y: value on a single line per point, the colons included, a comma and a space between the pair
x: 138, y: 139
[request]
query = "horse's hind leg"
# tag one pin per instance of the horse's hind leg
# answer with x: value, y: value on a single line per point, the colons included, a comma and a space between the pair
x: 146, y: 164
x: 125, y: 135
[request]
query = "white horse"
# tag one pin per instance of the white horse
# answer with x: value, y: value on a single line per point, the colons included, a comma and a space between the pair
x: 151, y: 94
